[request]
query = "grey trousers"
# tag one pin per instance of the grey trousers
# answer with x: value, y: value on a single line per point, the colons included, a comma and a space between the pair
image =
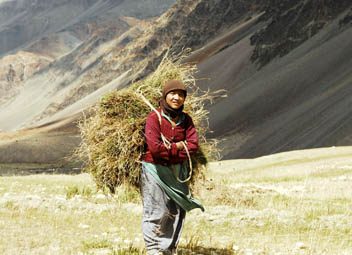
x: 162, y: 220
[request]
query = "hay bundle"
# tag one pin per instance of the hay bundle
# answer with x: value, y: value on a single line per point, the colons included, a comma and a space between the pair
x: 113, y: 140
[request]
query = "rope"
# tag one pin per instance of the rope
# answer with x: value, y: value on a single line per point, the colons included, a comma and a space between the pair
x: 166, y: 142
x: 163, y: 138
x: 150, y: 105
x: 190, y: 164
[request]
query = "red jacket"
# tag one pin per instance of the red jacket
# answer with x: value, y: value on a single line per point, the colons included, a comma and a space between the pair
x: 156, y: 152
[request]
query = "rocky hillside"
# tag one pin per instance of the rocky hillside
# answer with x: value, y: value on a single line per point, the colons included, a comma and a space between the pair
x: 22, y: 21
x: 290, y: 23
x: 140, y: 49
x: 73, y: 45
x: 15, y: 69
x: 285, y: 64
x: 289, y: 84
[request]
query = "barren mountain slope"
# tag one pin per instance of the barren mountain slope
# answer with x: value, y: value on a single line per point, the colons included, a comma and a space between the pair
x: 300, y: 100
x: 16, y: 69
x: 286, y: 66
x: 22, y: 21
x: 101, y: 59
x: 76, y: 49
x: 182, y: 26
x: 25, y: 20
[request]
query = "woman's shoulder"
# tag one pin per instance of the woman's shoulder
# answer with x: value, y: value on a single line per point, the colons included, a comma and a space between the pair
x: 187, y: 115
x: 188, y: 119
x: 153, y: 115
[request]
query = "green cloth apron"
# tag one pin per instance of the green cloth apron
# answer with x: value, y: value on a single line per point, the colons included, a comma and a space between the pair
x: 166, y: 177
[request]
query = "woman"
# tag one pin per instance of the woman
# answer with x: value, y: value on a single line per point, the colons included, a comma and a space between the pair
x: 169, y: 135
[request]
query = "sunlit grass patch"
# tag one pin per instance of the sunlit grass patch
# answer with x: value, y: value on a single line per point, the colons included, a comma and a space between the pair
x: 332, y: 172
x: 128, y: 251
x: 195, y: 249
x: 127, y: 194
x: 74, y: 190
x: 96, y: 244
x: 11, y: 205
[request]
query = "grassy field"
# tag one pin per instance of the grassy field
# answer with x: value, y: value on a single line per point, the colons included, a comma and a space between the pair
x: 289, y: 203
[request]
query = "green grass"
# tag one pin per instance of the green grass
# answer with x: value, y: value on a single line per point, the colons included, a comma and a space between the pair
x: 96, y: 244
x: 74, y: 190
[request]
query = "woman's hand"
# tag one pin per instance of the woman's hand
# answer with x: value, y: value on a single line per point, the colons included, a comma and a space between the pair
x: 180, y: 146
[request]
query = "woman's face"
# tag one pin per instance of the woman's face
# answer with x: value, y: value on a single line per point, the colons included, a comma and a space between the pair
x: 175, y: 98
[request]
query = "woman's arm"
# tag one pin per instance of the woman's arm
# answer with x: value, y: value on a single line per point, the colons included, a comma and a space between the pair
x: 153, y: 138
x: 191, y: 139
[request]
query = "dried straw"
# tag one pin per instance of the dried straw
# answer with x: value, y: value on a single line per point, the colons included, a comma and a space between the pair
x: 113, y: 140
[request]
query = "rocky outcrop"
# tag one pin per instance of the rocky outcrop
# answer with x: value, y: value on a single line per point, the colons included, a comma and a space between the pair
x: 188, y: 24
x: 347, y: 19
x: 290, y: 23
x: 15, y: 69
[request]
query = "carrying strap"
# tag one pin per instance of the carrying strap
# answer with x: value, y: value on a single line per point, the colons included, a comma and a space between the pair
x: 190, y: 164
x: 166, y: 142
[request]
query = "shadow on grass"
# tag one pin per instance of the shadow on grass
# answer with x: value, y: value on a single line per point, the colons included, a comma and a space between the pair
x: 181, y: 251
x: 22, y: 169
x: 205, y: 251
